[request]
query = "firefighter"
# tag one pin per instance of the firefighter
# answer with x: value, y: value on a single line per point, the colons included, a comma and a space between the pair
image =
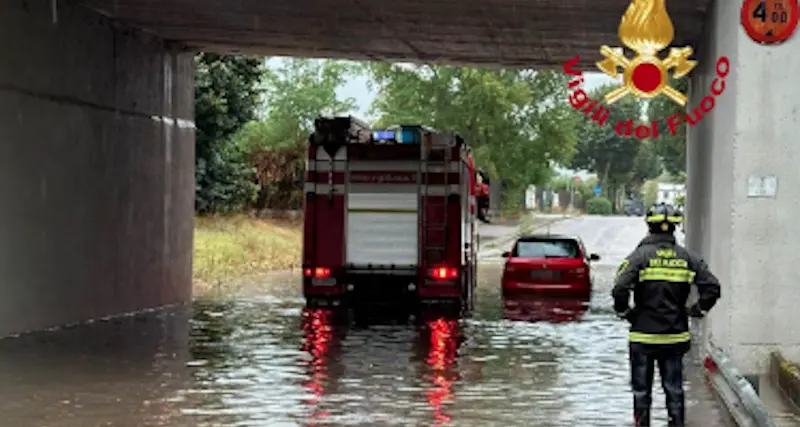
x: 482, y: 195
x: 659, y: 274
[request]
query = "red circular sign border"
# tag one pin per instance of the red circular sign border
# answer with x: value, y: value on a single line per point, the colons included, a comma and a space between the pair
x: 761, y: 38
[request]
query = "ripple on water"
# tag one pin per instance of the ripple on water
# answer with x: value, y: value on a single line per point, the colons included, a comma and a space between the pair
x: 262, y: 361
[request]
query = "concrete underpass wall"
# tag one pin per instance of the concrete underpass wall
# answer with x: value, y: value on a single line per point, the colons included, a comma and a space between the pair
x: 96, y: 178
x: 751, y: 243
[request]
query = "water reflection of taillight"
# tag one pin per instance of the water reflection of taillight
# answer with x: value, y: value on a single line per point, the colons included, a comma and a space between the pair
x: 441, y: 360
x: 318, y: 328
x: 443, y: 343
x: 318, y: 333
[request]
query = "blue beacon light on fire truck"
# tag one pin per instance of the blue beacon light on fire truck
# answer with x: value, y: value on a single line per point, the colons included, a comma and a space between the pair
x: 399, y: 136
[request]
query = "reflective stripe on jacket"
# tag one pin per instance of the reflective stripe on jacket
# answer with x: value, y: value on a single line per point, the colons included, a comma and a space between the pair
x: 659, y: 274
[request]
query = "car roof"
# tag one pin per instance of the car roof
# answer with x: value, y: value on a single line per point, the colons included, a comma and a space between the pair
x: 535, y: 237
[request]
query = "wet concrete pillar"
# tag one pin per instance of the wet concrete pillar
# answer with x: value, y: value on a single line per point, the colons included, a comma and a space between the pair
x: 748, y: 233
x: 96, y: 167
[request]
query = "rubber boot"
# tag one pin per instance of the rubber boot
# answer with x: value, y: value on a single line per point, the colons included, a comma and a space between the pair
x: 641, y: 418
x: 676, y: 415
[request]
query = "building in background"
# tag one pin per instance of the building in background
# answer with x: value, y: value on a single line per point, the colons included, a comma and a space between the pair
x: 669, y: 193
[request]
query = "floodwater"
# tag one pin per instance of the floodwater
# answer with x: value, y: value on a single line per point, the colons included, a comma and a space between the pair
x: 259, y: 359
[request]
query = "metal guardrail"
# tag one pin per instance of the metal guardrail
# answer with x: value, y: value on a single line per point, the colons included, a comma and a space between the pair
x: 741, y: 388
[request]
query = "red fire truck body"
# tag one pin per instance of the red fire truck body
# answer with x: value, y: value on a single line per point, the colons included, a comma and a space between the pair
x: 389, y: 216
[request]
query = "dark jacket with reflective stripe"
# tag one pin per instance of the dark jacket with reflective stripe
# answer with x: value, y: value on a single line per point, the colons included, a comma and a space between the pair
x: 659, y: 273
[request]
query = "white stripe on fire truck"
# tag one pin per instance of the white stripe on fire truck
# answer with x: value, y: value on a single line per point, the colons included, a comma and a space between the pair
x: 430, y: 190
x: 340, y: 165
x: 362, y: 210
x: 439, y: 190
x: 310, y: 187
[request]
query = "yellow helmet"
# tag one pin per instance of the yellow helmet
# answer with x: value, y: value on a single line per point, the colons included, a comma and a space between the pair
x: 663, y: 216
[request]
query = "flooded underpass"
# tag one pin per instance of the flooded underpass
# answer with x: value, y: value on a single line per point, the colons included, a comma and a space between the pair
x: 260, y: 359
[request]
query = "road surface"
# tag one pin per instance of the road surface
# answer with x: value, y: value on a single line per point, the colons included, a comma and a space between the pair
x: 254, y: 360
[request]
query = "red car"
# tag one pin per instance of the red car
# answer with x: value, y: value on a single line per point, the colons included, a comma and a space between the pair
x: 548, y: 266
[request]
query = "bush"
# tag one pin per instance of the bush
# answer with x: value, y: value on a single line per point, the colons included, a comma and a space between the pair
x: 599, y: 206
x: 225, y: 182
x: 649, y: 193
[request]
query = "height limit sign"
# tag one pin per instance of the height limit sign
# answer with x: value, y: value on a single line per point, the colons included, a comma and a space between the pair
x: 769, y: 21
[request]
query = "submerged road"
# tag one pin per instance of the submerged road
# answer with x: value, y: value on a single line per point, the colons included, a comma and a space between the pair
x: 259, y: 360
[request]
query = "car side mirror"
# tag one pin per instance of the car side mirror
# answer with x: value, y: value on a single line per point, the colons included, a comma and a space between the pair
x: 506, y: 254
x: 594, y: 257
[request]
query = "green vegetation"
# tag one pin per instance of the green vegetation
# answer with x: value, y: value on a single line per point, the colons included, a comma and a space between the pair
x: 650, y: 193
x: 226, y: 97
x: 228, y: 248
x: 670, y: 148
x: 582, y: 192
x: 618, y: 161
x: 517, y: 122
x: 254, y: 116
x: 294, y: 94
x: 599, y: 206
x: 252, y: 123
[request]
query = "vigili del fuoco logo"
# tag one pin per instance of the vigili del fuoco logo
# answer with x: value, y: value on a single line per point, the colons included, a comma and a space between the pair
x: 647, y: 30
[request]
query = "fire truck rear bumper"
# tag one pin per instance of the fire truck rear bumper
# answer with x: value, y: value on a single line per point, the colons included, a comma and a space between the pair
x: 368, y: 286
x: 434, y: 290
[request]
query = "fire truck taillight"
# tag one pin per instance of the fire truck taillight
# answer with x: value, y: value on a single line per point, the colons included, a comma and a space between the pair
x: 444, y: 273
x: 318, y: 272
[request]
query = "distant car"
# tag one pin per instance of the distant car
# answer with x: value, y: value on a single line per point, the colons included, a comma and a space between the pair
x: 634, y: 208
x: 548, y: 266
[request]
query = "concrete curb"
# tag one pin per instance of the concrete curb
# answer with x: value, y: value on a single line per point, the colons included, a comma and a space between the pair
x: 738, y: 395
x: 786, y: 376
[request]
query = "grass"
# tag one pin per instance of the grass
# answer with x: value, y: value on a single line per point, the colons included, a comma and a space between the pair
x: 509, y: 213
x: 527, y: 224
x: 228, y: 249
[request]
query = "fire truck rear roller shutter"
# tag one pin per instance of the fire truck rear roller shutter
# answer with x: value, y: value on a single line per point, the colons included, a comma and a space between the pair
x: 382, y: 228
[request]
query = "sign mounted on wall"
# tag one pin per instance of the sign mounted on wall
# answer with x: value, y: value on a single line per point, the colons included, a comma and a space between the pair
x: 769, y: 21
x: 762, y: 186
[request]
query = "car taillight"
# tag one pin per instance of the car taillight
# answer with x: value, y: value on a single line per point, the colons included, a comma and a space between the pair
x: 579, y: 272
x: 444, y: 273
x: 318, y: 272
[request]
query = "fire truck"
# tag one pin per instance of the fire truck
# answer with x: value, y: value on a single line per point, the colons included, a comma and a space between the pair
x: 390, y: 216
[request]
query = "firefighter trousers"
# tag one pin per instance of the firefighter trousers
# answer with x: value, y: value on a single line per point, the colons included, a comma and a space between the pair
x: 669, y: 359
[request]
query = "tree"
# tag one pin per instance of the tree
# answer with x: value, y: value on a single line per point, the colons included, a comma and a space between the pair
x: 602, y: 151
x: 516, y: 121
x: 646, y: 166
x: 226, y: 97
x: 295, y: 92
x: 671, y: 148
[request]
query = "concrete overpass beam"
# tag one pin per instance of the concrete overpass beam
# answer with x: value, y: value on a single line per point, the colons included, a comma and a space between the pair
x: 96, y: 168
x: 751, y: 242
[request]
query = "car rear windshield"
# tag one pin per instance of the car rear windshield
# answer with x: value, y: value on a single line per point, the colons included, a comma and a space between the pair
x: 562, y: 248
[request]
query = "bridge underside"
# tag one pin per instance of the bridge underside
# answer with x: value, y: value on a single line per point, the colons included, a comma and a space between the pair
x: 516, y: 33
